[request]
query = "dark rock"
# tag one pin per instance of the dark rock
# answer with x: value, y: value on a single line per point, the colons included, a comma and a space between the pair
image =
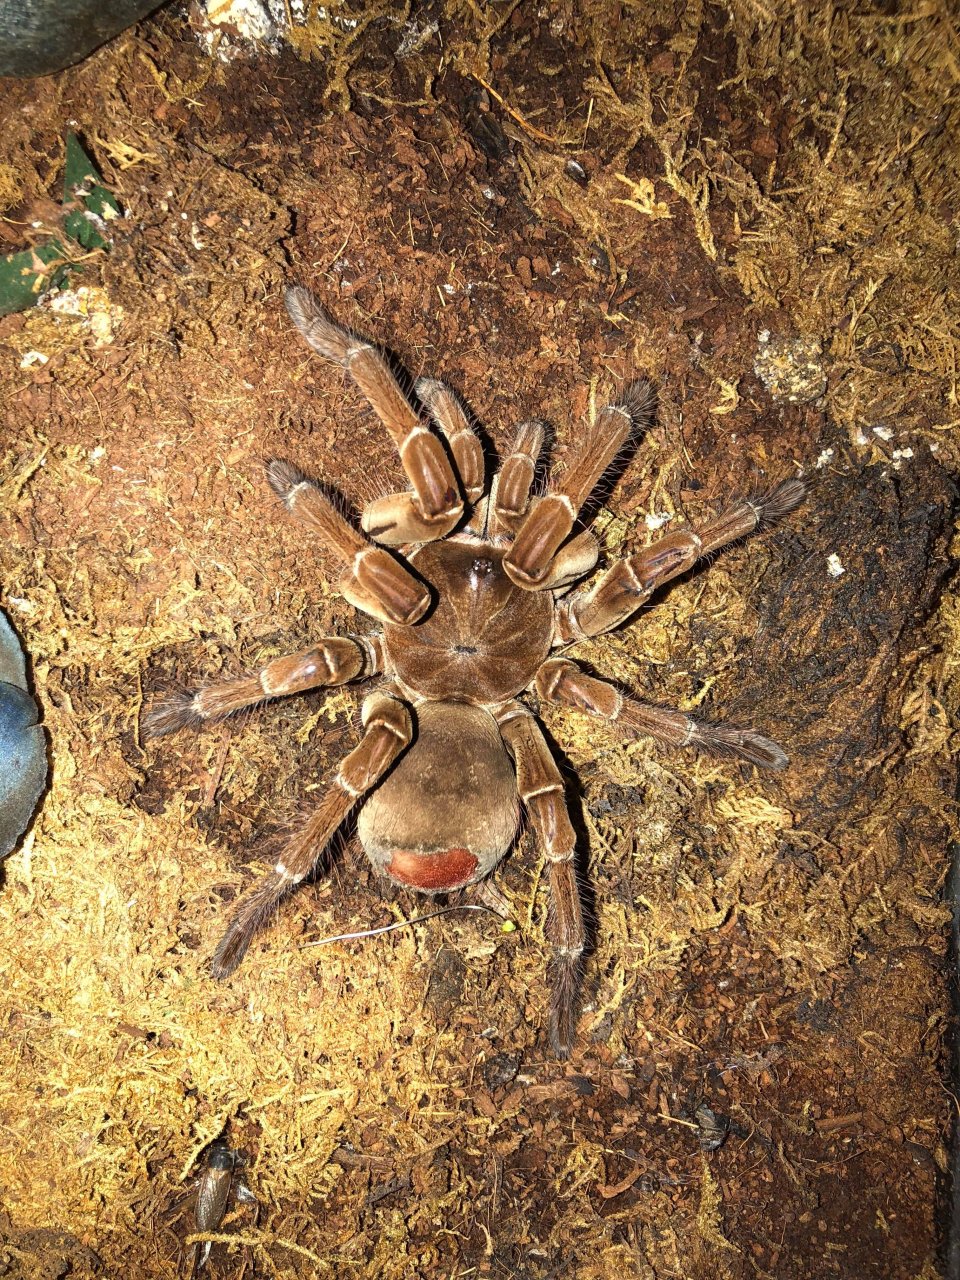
x: 38, y: 37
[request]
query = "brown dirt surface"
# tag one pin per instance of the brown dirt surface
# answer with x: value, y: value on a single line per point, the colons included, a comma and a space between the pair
x: 535, y: 203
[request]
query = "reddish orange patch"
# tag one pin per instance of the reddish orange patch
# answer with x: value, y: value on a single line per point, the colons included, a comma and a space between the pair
x: 447, y: 869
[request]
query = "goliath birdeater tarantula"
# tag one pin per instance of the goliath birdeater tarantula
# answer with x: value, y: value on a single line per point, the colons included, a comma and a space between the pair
x: 478, y: 606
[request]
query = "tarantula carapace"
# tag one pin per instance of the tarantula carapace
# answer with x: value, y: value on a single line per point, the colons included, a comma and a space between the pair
x: 479, y: 606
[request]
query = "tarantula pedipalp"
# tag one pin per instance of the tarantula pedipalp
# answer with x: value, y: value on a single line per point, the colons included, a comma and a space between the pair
x: 481, y: 592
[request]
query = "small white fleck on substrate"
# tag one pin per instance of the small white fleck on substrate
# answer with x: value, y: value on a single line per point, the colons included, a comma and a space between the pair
x: 835, y: 566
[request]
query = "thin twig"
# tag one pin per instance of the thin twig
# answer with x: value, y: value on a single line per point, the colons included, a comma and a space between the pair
x: 400, y: 924
x: 521, y: 120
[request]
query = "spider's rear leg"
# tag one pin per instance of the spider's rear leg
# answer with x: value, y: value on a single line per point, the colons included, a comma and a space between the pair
x: 388, y: 729
x: 332, y: 660
x: 561, y: 681
x: 435, y: 501
x: 541, y: 789
x: 626, y: 585
x: 550, y: 521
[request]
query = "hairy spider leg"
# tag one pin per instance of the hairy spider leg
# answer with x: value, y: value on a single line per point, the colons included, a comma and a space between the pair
x: 395, y: 519
x: 511, y: 502
x: 551, y: 520
x: 541, y: 788
x: 450, y: 416
x: 561, y: 681
x: 630, y: 582
x: 388, y: 729
x: 375, y: 581
x: 435, y: 505
x: 332, y: 660
x: 512, y: 485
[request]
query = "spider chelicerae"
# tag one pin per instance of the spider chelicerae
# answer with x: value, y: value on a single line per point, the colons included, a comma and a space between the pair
x: 480, y: 604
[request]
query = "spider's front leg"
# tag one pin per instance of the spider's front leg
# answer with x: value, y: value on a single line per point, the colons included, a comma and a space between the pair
x: 626, y: 585
x: 332, y: 660
x: 447, y: 411
x: 375, y: 581
x: 396, y: 518
x: 510, y: 495
x: 541, y: 789
x: 549, y: 521
x: 511, y: 504
x: 388, y: 729
x: 561, y: 681
x: 435, y: 505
